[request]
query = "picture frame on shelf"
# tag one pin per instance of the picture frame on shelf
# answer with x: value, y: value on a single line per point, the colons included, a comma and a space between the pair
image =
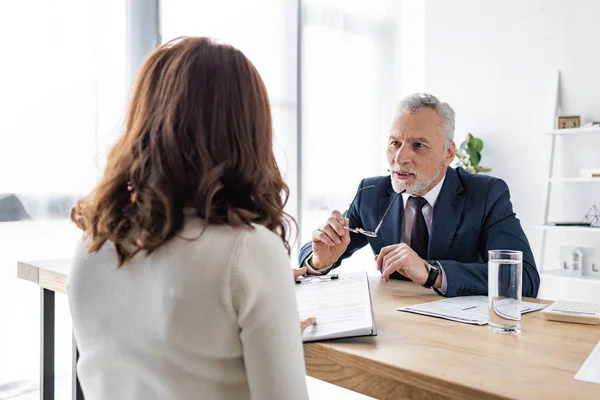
x: 568, y: 122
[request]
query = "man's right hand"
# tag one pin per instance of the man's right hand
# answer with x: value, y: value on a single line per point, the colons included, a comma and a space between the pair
x: 330, y: 241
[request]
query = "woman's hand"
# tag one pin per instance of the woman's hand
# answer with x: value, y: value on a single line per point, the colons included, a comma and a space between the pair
x: 298, y: 272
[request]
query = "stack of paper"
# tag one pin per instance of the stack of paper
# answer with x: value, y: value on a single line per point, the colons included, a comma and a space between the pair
x: 468, y: 309
x: 342, y: 306
x: 590, y: 370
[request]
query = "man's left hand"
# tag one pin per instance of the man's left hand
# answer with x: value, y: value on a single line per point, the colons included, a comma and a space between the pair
x: 401, y: 258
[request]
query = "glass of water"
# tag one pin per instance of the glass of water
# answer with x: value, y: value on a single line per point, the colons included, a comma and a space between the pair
x: 505, y: 276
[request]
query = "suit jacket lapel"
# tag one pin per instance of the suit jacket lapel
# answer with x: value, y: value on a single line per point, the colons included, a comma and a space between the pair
x: 446, y: 216
x: 391, y: 227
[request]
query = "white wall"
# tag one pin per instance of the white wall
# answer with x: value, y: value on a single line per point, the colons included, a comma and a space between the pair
x: 495, y: 62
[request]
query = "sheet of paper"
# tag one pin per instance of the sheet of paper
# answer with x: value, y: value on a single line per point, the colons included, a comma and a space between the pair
x: 341, y: 306
x: 590, y: 370
x: 467, y: 309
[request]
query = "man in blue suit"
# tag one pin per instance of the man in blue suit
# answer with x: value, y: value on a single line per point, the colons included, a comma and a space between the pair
x: 441, y: 221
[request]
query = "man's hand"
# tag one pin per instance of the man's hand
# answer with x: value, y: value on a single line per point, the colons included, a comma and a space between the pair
x: 330, y: 241
x: 401, y: 258
x: 298, y: 272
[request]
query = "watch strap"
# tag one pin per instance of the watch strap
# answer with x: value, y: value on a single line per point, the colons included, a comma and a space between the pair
x: 434, y: 271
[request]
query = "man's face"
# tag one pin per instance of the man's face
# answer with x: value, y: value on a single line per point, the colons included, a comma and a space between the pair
x: 416, y: 152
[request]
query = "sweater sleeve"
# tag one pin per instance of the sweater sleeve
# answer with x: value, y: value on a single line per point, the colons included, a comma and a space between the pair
x: 265, y: 301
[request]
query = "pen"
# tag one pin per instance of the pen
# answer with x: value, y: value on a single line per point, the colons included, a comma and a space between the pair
x: 320, y: 278
x: 468, y: 308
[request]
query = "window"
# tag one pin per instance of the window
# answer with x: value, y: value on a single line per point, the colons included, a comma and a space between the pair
x: 266, y: 31
x: 348, y: 65
x: 348, y: 75
x: 63, y: 95
x: 65, y: 83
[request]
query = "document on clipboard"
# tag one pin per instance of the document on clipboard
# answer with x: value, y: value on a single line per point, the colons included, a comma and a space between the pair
x: 341, y: 304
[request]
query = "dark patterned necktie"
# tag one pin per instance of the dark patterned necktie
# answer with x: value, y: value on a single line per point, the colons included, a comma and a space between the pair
x: 419, y: 236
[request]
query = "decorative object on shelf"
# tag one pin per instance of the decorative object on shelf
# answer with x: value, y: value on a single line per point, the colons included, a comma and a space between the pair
x: 569, y: 223
x: 468, y: 155
x: 591, y: 124
x: 590, y: 173
x: 575, y: 262
x: 568, y: 121
x: 595, y: 270
x: 593, y: 217
x: 579, y: 261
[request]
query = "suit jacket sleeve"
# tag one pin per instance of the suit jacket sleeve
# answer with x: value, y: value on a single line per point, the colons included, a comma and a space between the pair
x: 500, y: 230
x: 357, y: 241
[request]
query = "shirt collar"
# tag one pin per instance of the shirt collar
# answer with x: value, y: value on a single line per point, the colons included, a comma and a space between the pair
x: 430, y: 196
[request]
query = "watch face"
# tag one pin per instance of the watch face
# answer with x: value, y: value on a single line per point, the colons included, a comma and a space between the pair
x: 432, y: 265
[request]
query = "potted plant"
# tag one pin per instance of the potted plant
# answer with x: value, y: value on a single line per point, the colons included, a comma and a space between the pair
x: 468, y: 155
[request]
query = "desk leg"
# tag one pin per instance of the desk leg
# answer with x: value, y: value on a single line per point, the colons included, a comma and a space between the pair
x: 77, y: 394
x: 47, y: 345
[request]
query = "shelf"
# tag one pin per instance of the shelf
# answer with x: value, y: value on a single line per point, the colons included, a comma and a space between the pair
x: 576, y: 131
x: 575, y: 180
x: 558, y: 274
x: 582, y: 229
x: 554, y: 285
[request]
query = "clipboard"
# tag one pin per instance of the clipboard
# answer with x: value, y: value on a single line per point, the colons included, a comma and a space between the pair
x: 342, y: 305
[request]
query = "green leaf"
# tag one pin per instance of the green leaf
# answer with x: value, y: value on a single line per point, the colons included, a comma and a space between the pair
x: 474, y: 156
x: 476, y: 144
x: 469, y: 137
x: 482, y: 169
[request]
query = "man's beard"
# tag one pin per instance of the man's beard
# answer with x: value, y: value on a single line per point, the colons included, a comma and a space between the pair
x: 420, y: 184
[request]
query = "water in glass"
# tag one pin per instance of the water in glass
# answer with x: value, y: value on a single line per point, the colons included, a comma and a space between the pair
x: 504, y: 294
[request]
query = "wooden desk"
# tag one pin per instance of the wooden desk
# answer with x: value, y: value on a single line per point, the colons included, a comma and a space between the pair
x: 419, y: 357
x: 51, y: 276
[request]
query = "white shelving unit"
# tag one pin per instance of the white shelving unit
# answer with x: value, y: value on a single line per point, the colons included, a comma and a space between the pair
x: 575, y: 131
x: 574, y: 229
x: 574, y: 180
x: 546, y: 227
x: 574, y: 288
x: 558, y: 274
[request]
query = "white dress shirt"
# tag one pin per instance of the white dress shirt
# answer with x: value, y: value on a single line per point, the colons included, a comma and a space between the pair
x: 407, y: 221
x: 409, y: 217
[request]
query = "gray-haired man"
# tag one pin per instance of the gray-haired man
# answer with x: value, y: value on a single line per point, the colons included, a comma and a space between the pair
x: 439, y: 231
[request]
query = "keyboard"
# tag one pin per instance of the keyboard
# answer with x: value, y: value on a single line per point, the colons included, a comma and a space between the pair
x: 573, y: 311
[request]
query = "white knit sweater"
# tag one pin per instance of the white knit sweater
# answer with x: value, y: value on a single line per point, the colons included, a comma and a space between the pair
x: 209, y: 315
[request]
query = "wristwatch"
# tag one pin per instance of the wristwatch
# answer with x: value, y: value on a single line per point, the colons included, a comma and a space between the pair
x: 434, y: 270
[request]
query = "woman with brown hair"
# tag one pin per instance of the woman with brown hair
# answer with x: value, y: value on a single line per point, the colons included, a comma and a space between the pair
x: 181, y: 286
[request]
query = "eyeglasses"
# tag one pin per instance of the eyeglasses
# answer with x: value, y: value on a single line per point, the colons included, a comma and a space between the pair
x: 361, y: 230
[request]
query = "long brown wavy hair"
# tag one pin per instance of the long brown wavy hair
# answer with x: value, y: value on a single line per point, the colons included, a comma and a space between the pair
x: 198, y: 134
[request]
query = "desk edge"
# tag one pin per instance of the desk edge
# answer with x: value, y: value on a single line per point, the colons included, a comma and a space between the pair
x: 28, y: 272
